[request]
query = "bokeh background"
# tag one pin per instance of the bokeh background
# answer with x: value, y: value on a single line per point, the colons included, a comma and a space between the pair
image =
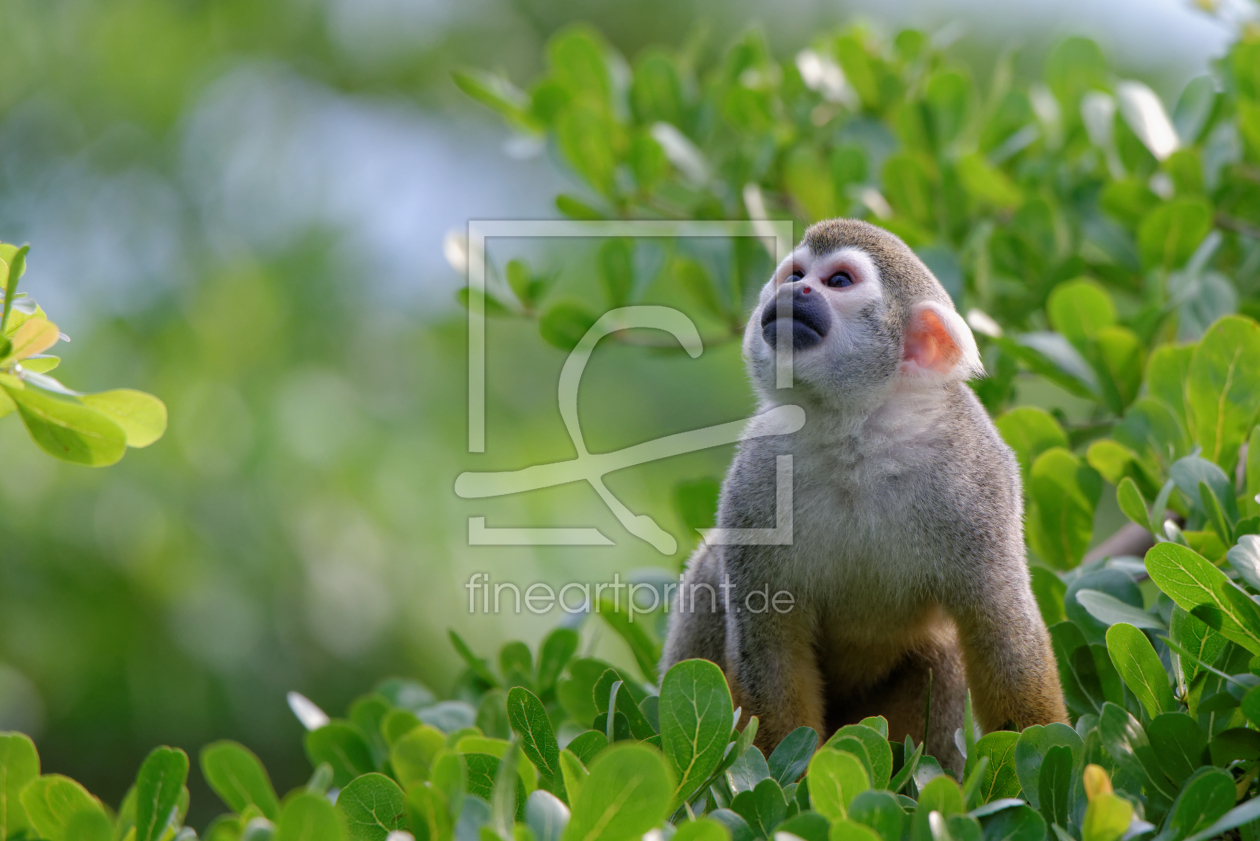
x: 240, y: 206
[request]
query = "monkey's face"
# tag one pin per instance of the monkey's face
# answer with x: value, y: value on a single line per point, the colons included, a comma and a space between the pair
x: 852, y: 328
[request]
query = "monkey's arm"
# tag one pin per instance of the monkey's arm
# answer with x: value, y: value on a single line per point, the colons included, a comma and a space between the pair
x: 771, y: 663
x: 1011, y: 670
x: 697, y: 621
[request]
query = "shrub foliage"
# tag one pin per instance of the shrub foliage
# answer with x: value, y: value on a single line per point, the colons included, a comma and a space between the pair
x: 89, y: 429
x: 1106, y: 249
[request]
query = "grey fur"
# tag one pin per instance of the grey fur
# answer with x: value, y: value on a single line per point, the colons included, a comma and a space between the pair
x: 907, y: 550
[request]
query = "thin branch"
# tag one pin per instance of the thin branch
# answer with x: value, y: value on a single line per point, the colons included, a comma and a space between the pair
x: 1238, y: 226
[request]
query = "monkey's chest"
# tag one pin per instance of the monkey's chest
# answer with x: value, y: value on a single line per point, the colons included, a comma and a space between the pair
x: 867, y: 545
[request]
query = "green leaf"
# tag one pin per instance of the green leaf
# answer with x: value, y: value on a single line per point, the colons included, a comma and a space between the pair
x: 495, y: 92
x: 575, y: 208
x: 554, y: 654
x: 1172, y: 231
x: 854, y: 746
x: 1132, y: 503
x: 586, y: 746
x: 628, y: 792
x: 1205, y: 799
x: 792, y: 755
x: 428, y: 814
x: 529, y: 721
x: 576, y: 692
x: 238, y: 777
x: 940, y: 795
x: 691, y: 276
x: 695, y: 716
x: 1179, y: 743
x: 835, y: 778
x: 574, y: 772
x: 1066, y: 491
x: 1245, y: 559
x: 1194, y: 107
x: 412, y: 755
x: 881, y: 812
x: 1107, y: 818
x: 1126, y: 741
x: 1074, y: 66
x: 1119, y: 358
x: 1054, y: 358
x: 564, y: 323
x: 1191, y: 473
x: 908, y: 189
x: 1081, y: 309
x: 844, y: 829
x: 577, y: 57
x: 478, y: 665
x: 999, y: 779
x: 35, y: 335
x: 1223, y: 388
x: 51, y: 801
x: 588, y: 139
x: 616, y: 270
x: 546, y: 815
x: 373, y: 806
x: 1197, y: 639
x: 14, y: 265
x: 1154, y: 434
x: 1139, y: 666
x: 986, y: 183
x: 1109, y: 610
x: 1030, y: 431
x: 646, y: 650
x: 763, y: 808
x: 1049, y: 590
x: 1193, y: 583
x: 656, y: 90
x: 1031, y: 748
x: 1129, y: 200
x: 19, y: 765
x: 159, y: 788
x: 1054, y: 785
x: 91, y: 825
x: 69, y: 431
x: 142, y: 417
x: 341, y: 745
x: 1167, y: 371
x: 309, y: 817
x: 397, y: 724
x: 875, y: 749
x: 1018, y: 823
x: 807, y: 178
x: 491, y: 306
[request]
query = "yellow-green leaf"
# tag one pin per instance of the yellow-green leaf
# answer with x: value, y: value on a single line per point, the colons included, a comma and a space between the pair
x: 69, y: 431
x: 142, y: 417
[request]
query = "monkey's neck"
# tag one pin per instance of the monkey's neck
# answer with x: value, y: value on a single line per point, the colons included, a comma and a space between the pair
x: 905, y: 415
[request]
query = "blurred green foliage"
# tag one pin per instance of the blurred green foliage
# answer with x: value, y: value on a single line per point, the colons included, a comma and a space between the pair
x: 296, y: 528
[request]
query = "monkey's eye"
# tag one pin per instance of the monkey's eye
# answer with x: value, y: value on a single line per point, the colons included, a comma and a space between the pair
x: 840, y: 279
x: 796, y: 274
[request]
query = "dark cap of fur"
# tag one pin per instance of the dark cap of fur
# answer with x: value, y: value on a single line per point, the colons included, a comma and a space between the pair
x: 901, y: 272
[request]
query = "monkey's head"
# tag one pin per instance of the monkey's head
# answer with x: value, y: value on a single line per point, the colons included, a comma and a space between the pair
x: 863, y: 316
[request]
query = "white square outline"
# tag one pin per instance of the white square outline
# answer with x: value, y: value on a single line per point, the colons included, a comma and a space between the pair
x: 479, y: 230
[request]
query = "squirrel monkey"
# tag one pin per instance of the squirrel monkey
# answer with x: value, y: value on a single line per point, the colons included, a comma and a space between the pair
x: 907, y: 551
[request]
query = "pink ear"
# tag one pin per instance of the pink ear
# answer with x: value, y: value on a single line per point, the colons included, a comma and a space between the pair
x: 939, y: 344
